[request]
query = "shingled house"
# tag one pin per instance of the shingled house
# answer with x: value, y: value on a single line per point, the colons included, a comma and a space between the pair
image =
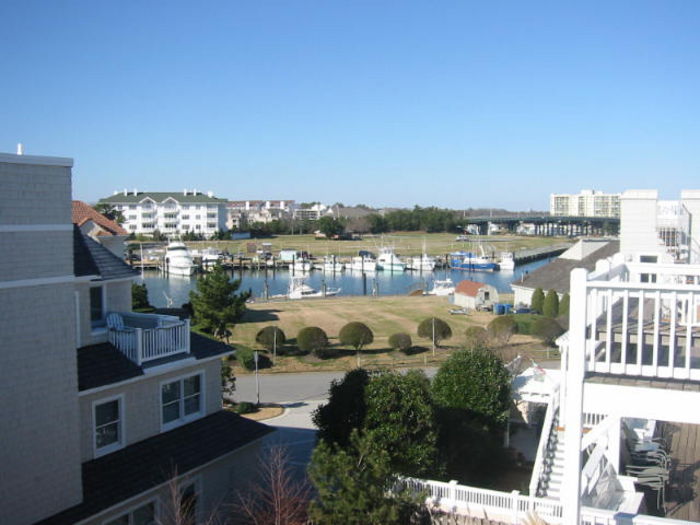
x: 103, y: 409
x: 103, y: 230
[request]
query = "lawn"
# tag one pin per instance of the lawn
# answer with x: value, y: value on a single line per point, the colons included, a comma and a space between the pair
x: 405, y: 243
x: 384, y: 315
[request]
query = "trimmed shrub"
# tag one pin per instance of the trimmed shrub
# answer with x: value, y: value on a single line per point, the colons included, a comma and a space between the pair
x: 477, y: 337
x: 247, y: 360
x: 547, y: 330
x: 271, y: 336
x: 312, y: 339
x: 401, y: 341
x: 564, y: 306
x: 551, y: 304
x: 442, y: 329
x: 244, y: 407
x: 356, y: 334
x: 501, y: 329
x: 537, y: 300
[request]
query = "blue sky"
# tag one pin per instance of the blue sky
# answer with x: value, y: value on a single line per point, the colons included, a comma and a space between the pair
x: 454, y: 104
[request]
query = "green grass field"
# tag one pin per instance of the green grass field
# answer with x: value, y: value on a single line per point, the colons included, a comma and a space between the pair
x: 405, y: 243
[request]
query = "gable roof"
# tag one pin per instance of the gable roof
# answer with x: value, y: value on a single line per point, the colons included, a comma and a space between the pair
x: 83, y: 212
x: 556, y: 275
x: 91, y: 258
x: 470, y: 288
x: 160, y: 196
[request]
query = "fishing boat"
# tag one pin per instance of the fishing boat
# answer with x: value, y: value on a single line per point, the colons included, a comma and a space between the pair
x: 363, y: 263
x: 424, y: 263
x: 331, y: 264
x: 389, y: 261
x: 507, y: 261
x: 178, y: 260
x: 302, y: 265
x: 442, y: 287
x: 298, y: 289
x: 470, y: 261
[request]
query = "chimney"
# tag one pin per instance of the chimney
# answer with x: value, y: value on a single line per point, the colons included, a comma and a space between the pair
x: 210, y: 194
x: 20, y: 148
x: 184, y: 192
x: 125, y: 192
x: 116, y: 192
x: 194, y: 191
x: 136, y: 191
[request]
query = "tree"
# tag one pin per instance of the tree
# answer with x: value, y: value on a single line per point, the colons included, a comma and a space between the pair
x: 551, y: 304
x: 345, y: 409
x: 435, y: 329
x: 401, y: 342
x: 330, y: 226
x: 357, y: 335
x: 109, y: 211
x: 377, y: 223
x: 216, y: 304
x: 272, y: 338
x: 312, y: 339
x: 537, y: 300
x: 355, y: 485
x: 501, y: 329
x: 228, y: 381
x: 564, y: 305
x: 475, y: 381
x: 139, y: 296
x: 477, y: 337
x: 547, y: 329
x: 401, y: 419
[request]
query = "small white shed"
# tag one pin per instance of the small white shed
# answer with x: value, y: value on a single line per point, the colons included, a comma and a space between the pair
x: 472, y: 294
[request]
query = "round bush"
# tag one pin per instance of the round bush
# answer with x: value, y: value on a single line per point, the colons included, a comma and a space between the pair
x: 356, y: 335
x: 401, y: 342
x: 547, y: 329
x: 270, y: 336
x: 244, y: 407
x: 442, y: 329
x: 477, y: 337
x: 312, y: 339
x: 247, y: 360
x: 501, y: 329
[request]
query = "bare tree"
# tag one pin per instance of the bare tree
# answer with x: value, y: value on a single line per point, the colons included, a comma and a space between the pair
x: 180, y: 507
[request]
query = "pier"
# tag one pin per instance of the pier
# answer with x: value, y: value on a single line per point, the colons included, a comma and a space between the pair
x: 536, y: 254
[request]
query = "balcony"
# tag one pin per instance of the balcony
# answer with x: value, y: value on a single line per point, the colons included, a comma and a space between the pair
x: 147, y: 337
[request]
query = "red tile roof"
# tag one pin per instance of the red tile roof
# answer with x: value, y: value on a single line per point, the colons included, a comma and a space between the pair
x: 83, y: 212
x: 470, y: 288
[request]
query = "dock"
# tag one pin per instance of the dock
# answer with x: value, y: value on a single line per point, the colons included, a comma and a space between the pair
x: 536, y: 254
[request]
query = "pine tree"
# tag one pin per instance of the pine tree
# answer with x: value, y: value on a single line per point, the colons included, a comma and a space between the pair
x: 537, y: 300
x: 216, y: 304
x: 551, y: 304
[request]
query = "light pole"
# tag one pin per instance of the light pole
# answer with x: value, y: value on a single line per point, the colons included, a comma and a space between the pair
x: 257, y: 381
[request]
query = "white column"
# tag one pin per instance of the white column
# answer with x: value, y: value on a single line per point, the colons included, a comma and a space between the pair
x: 571, y: 484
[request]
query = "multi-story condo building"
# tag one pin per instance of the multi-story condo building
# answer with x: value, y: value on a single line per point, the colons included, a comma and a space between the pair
x: 170, y: 213
x: 588, y: 203
x: 242, y: 213
x: 312, y: 213
x: 103, y: 411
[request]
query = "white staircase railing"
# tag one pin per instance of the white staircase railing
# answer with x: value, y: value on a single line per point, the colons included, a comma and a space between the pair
x: 538, y: 470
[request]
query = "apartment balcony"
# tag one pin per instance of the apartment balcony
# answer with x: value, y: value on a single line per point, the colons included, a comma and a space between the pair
x: 145, y: 338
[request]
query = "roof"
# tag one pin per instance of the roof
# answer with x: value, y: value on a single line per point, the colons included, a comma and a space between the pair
x: 83, y: 212
x: 556, y: 275
x: 91, y: 258
x: 470, y: 288
x: 103, y: 364
x: 147, y: 464
x: 160, y: 196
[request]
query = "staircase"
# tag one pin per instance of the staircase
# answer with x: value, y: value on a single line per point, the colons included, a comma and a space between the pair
x: 553, y: 469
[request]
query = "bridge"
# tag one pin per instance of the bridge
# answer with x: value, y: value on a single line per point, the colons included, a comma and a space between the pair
x: 548, y: 225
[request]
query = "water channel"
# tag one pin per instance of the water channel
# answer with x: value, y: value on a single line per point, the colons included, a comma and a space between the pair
x: 162, y: 288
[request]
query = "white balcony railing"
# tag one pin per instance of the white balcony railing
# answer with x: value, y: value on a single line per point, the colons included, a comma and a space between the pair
x: 146, y: 337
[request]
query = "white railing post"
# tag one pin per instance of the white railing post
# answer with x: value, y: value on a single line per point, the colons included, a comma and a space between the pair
x: 453, y: 493
x: 514, y: 496
x: 139, y: 346
x: 186, y: 335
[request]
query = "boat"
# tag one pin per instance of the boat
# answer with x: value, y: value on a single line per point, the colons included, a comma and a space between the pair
x: 302, y: 265
x: 363, y: 263
x: 178, y: 260
x: 470, y: 261
x: 389, y: 261
x: 298, y: 289
x: 507, y: 261
x: 442, y: 287
x: 424, y: 263
x: 331, y: 264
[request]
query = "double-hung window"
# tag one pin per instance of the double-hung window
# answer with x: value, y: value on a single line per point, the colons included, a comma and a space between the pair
x: 143, y: 515
x: 181, y: 400
x: 109, y: 425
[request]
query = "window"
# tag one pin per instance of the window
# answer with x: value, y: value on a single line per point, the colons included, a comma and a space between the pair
x: 648, y: 258
x: 185, y: 217
x: 181, y: 401
x: 132, y: 206
x: 648, y: 277
x: 97, y: 306
x: 108, y: 419
x: 188, y: 502
x: 143, y: 515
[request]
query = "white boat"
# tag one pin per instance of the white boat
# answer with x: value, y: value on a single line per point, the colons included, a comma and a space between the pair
x: 178, y: 260
x: 363, y: 264
x: 507, y: 261
x: 298, y: 289
x: 331, y: 264
x: 424, y: 263
x: 442, y: 287
x: 302, y: 265
x: 389, y: 261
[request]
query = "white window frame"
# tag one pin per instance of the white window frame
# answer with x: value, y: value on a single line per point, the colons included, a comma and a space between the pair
x: 131, y: 510
x: 196, y: 481
x: 183, y: 419
x: 122, y: 426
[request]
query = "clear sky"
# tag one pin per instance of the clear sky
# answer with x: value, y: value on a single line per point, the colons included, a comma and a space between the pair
x: 454, y: 104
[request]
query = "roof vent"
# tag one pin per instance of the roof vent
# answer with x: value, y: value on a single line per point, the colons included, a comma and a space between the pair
x: 20, y: 148
x: 126, y: 192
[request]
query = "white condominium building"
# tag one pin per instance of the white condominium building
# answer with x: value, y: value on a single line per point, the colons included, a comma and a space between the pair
x: 588, y: 203
x: 170, y: 213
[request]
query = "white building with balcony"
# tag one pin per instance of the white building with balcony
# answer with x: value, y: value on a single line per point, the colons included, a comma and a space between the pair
x: 588, y: 203
x: 243, y: 213
x: 170, y: 213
